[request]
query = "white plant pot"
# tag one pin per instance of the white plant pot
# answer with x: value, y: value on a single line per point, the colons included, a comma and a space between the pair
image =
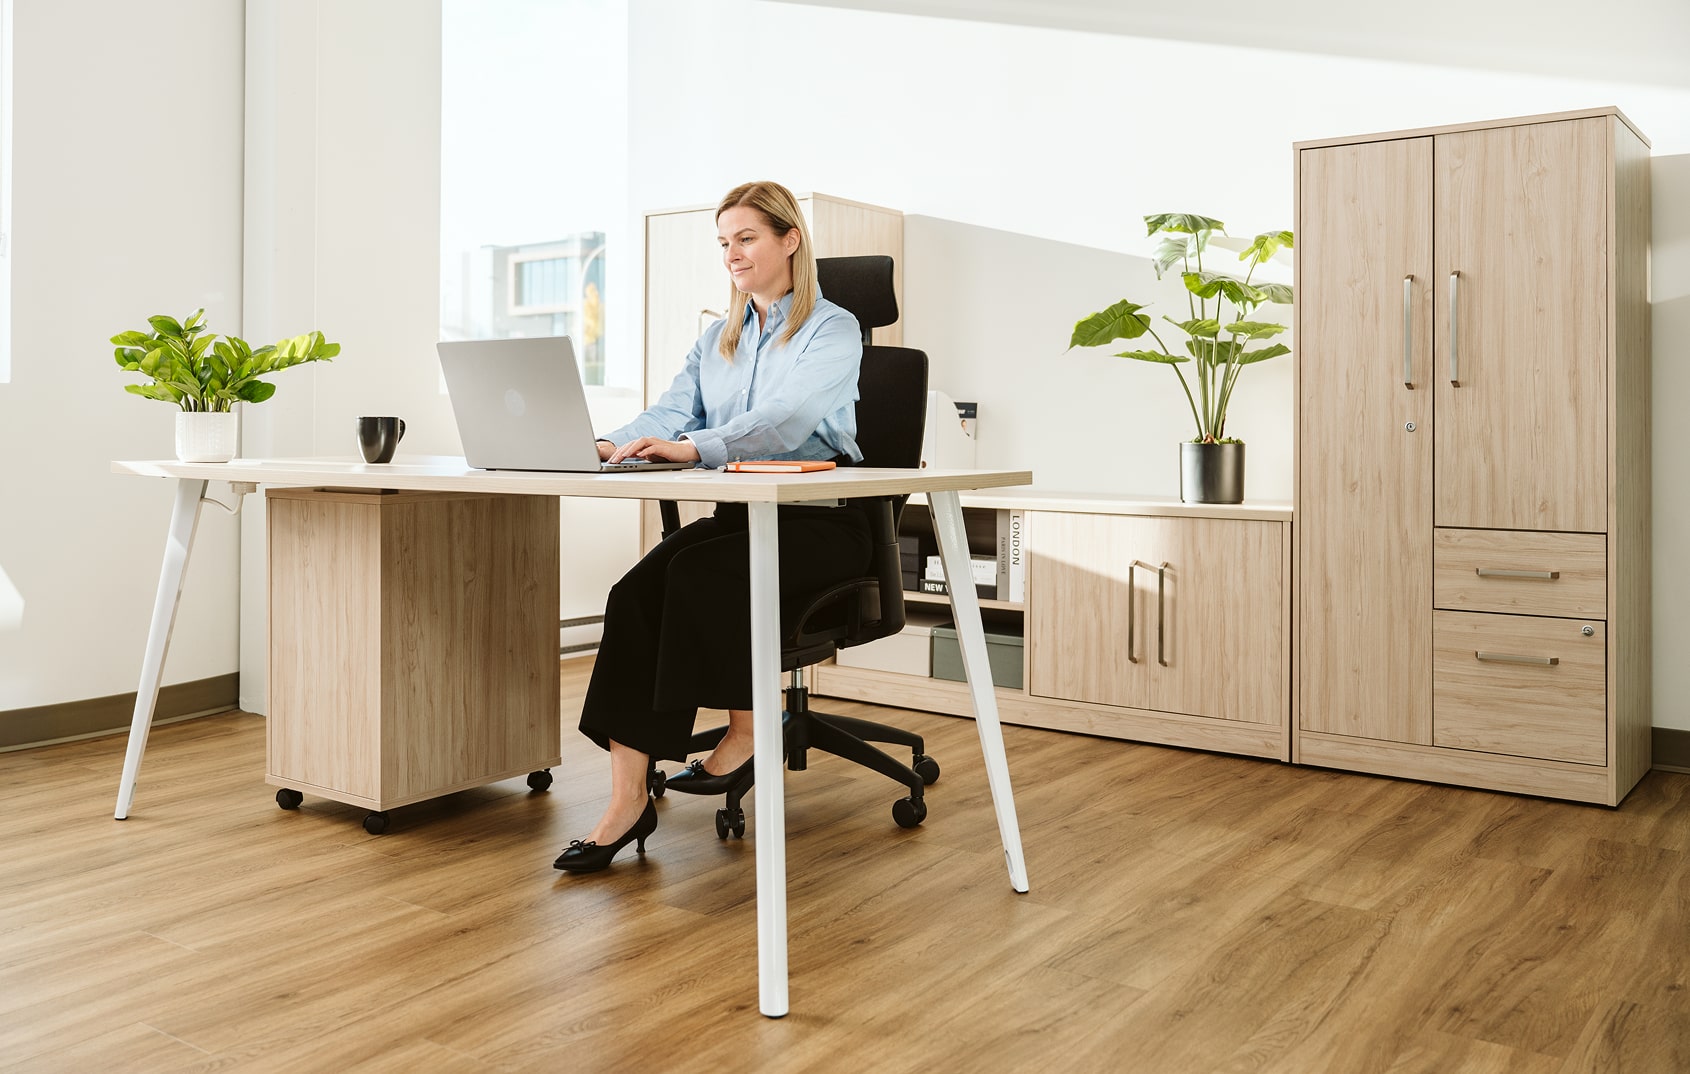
x: 206, y: 437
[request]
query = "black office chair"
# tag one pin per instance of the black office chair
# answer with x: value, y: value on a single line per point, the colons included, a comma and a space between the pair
x: 891, y: 416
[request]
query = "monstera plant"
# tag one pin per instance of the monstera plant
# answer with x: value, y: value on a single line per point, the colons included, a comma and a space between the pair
x: 1221, y: 337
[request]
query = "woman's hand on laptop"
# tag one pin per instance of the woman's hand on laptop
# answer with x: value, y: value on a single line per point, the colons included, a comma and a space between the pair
x: 650, y: 447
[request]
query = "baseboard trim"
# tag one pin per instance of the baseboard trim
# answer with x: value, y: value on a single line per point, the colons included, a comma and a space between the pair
x: 45, y: 725
x: 1672, y: 749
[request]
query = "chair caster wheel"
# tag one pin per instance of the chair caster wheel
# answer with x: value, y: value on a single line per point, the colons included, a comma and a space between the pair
x: 656, y: 782
x: 909, y: 812
x: 730, y: 821
x: 541, y: 780
x: 288, y: 798
x: 927, y: 768
x: 375, y: 823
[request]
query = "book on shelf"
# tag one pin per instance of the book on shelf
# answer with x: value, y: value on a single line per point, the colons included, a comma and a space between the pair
x: 1011, y: 575
x: 938, y: 585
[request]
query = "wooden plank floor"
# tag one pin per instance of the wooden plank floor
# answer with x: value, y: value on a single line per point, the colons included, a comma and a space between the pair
x: 1188, y: 913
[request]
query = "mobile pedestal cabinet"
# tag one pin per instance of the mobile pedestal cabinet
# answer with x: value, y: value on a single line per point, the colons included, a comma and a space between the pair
x: 413, y: 644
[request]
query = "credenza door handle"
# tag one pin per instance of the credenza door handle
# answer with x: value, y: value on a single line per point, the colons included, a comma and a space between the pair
x: 1132, y: 603
x: 1495, y: 572
x: 1161, y: 615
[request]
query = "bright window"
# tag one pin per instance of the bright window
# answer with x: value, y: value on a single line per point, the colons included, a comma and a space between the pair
x: 533, y: 174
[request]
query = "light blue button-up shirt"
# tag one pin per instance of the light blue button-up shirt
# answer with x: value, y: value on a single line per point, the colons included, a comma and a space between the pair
x: 793, y: 400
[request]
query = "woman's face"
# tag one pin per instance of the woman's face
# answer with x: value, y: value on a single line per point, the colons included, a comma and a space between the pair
x: 756, y: 257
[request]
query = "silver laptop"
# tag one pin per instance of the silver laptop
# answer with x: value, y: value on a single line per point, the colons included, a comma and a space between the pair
x: 520, y: 406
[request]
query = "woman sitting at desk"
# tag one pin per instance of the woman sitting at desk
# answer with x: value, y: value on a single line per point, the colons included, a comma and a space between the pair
x: 775, y: 379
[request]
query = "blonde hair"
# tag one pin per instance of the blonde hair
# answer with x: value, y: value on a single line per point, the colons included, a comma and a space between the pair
x: 779, y: 210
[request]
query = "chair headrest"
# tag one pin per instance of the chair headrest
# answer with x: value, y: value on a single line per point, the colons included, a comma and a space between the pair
x: 862, y: 285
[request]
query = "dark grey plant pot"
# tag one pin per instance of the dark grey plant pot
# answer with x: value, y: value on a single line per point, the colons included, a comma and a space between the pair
x: 1211, y: 473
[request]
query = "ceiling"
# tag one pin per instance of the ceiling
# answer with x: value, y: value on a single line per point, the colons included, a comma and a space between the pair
x: 1624, y: 41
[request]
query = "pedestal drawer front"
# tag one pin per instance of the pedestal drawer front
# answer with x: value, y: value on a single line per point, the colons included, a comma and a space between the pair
x: 1521, y: 572
x: 1530, y: 687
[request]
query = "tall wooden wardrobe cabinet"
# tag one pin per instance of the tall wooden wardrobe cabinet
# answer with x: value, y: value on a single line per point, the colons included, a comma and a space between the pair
x: 1473, y: 455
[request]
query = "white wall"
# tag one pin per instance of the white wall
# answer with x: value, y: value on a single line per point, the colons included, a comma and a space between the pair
x: 127, y: 168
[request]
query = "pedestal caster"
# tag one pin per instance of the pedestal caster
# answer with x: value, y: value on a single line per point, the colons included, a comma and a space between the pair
x: 539, y: 781
x: 375, y: 823
x: 730, y: 820
x: 288, y: 798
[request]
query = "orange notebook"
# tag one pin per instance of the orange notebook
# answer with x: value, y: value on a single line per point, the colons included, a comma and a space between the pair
x: 779, y: 466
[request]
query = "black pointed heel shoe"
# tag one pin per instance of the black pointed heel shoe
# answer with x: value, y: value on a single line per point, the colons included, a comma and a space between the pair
x: 695, y: 779
x: 589, y: 857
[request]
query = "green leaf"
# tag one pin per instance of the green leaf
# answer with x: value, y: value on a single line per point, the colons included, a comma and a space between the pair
x: 1265, y: 245
x: 165, y: 326
x: 1263, y: 354
x: 1160, y: 357
x: 132, y: 339
x: 1209, y: 284
x: 1172, y: 251
x: 1202, y: 326
x: 154, y: 360
x: 256, y: 391
x: 1277, y: 293
x: 1182, y: 223
x: 328, y: 350
x: 1255, y: 329
x: 154, y: 391
x: 1120, y: 321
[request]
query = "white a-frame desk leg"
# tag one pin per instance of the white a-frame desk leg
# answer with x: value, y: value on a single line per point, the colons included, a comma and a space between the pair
x: 770, y: 768
x: 953, y: 546
x: 184, y: 520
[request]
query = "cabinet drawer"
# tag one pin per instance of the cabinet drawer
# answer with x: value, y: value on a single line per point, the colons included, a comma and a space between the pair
x: 1530, y: 687
x: 1521, y: 573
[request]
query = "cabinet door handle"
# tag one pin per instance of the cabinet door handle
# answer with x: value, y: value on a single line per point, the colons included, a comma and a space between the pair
x: 1408, y: 332
x: 1494, y: 572
x: 1454, y: 332
x: 1513, y: 658
x: 1161, y: 576
x: 1132, y: 599
x: 1132, y: 602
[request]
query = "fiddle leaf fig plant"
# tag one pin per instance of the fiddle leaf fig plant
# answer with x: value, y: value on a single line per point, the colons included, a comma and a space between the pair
x: 195, y: 370
x: 1219, y: 340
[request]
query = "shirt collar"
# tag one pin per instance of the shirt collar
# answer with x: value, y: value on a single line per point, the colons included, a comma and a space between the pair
x: 777, y: 312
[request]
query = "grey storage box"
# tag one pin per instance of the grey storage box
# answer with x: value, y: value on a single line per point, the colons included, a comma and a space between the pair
x: 1003, y: 653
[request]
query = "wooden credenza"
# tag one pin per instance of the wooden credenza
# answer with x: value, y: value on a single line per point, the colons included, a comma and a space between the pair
x: 1473, y: 455
x: 1147, y: 620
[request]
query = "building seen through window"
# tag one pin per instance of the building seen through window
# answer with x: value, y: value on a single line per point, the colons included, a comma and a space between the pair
x: 553, y: 288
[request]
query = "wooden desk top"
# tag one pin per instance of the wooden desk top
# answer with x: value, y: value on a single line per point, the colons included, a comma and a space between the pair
x: 444, y: 473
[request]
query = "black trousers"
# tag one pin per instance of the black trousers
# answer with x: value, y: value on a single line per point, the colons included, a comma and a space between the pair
x: 677, y: 627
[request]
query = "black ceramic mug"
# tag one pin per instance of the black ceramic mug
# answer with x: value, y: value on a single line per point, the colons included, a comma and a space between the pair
x: 378, y: 438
